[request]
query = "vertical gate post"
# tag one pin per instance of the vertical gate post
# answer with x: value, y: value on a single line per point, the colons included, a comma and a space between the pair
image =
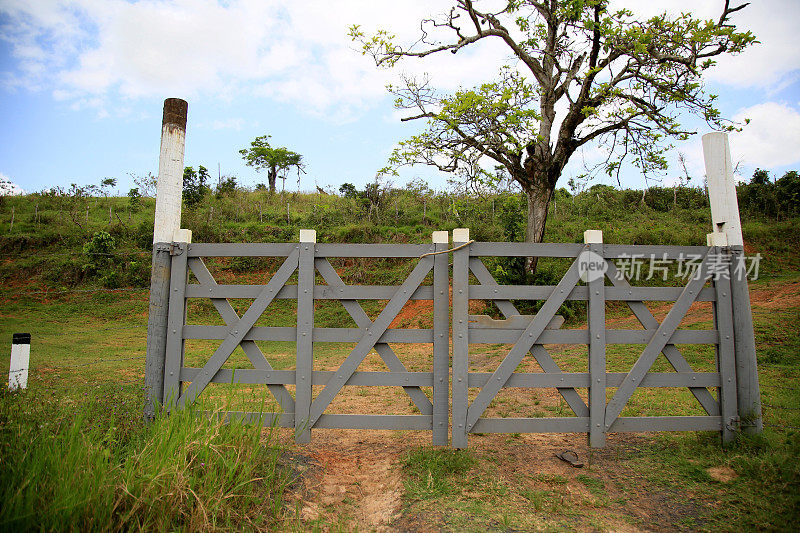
x: 441, y: 338
x: 460, y: 337
x: 596, y: 280
x: 167, y: 219
x: 725, y: 217
x: 173, y: 360
x: 723, y: 322
x: 305, y: 328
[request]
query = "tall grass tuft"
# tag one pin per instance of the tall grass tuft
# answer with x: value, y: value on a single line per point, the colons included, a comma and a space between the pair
x: 94, y: 465
x: 433, y: 472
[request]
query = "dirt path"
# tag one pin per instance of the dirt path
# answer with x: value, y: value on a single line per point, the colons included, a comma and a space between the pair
x: 355, y: 479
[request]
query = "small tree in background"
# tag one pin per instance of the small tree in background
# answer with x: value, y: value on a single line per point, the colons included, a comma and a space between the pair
x: 134, y: 200
x: 194, y: 185
x: 277, y: 161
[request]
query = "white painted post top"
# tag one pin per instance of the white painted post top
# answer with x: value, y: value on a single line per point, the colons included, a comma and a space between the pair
x: 722, y: 187
x: 461, y: 235
x: 593, y: 236
x: 308, y: 235
x: 182, y: 235
x: 441, y: 237
x: 169, y: 189
x: 717, y: 239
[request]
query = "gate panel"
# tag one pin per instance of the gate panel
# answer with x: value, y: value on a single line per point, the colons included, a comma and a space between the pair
x: 302, y: 411
x: 377, y: 335
x: 528, y: 335
x: 237, y: 331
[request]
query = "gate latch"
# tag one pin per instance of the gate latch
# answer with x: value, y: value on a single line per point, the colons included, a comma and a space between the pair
x: 734, y: 424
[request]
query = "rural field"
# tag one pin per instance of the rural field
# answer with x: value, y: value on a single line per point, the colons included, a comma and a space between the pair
x: 75, y: 453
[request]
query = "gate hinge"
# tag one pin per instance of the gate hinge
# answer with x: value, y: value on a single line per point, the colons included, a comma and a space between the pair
x: 734, y: 424
x: 173, y: 248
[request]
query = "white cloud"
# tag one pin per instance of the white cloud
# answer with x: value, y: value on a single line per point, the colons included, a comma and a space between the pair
x: 88, y: 52
x: 772, y: 139
x: 9, y: 188
x: 770, y: 64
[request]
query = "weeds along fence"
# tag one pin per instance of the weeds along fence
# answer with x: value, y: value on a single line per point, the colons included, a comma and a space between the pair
x: 591, y: 275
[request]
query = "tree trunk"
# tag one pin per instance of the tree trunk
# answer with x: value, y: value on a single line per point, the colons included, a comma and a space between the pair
x: 272, y: 178
x: 538, y: 203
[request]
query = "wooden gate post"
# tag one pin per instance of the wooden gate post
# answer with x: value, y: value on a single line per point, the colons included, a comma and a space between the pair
x: 441, y: 341
x: 596, y: 320
x: 460, y: 337
x: 167, y: 220
x: 725, y: 217
x: 304, y: 366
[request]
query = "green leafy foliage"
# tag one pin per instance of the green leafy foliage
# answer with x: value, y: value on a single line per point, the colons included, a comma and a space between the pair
x: 779, y: 199
x: 194, y: 185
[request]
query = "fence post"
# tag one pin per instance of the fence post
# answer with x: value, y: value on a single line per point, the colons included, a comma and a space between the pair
x: 460, y: 337
x: 725, y: 218
x: 441, y: 338
x: 167, y: 220
x: 305, y: 328
x: 20, y: 361
x: 596, y: 280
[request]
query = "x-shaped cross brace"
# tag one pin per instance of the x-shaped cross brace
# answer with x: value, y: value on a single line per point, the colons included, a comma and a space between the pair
x: 238, y: 329
x: 374, y: 331
x: 526, y: 343
x: 251, y: 349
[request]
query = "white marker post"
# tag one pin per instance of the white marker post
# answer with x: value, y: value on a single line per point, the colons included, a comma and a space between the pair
x: 725, y: 218
x: 20, y: 361
x: 167, y: 221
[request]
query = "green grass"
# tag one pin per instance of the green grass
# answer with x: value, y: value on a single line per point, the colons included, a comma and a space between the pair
x: 91, y: 463
x: 434, y: 472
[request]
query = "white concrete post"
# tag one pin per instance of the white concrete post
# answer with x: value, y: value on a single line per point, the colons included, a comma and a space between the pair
x: 169, y: 191
x: 167, y: 220
x: 20, y: 361
x: 725, y: 219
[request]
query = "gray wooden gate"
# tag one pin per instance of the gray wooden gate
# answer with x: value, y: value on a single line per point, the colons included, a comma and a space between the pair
x: 595, y: 414
x: 302, y: 411
x: 529, y: 334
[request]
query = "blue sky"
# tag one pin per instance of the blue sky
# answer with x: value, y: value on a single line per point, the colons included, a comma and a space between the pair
x: 82, y: 84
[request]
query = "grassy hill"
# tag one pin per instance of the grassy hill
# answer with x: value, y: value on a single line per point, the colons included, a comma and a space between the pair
x: 57, y: 239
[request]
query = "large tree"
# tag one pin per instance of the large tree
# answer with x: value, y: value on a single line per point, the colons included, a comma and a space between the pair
x: 611, y: 78
x: 276, y: 160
